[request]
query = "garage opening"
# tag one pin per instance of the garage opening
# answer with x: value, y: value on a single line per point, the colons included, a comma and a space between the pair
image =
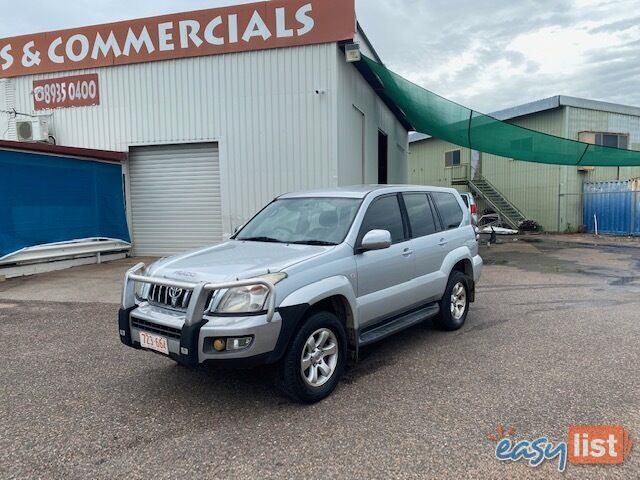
x: 175, y: 198
x: 383, y: 152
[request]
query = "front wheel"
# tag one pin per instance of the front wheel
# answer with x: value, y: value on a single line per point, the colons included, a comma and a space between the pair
x: 315, y: 360
x: 454, y: 305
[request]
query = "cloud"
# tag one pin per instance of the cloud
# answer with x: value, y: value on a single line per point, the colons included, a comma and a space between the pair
x: 496, y: 54
x: 488, y: 55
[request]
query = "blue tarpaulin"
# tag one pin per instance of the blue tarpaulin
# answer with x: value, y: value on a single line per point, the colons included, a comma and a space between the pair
x: 46, y: 199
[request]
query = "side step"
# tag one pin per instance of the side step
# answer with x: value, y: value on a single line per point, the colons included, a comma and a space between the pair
x: 396, y: 324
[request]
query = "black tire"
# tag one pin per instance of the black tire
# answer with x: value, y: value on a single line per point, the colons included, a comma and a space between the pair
x: 446, y: 320
x: 289, y: 377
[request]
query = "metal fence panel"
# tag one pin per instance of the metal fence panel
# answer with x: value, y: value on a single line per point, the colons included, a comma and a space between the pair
x: 612, y: 207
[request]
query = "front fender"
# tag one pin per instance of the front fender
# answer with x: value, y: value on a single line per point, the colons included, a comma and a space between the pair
x: 325, y: 288
x: 294, y: 307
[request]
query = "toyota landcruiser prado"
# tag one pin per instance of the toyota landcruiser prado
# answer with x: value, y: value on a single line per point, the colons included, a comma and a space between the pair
x: 309, y: 280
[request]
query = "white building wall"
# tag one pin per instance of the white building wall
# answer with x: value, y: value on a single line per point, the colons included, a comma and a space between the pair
x: 7, y: 121
x: 4, y: 117
x: 277, y: 115
x: 273, y: 129
x: 356, y: 99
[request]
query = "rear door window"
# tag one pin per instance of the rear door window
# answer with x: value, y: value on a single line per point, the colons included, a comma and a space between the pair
x: 421, y: 217
x: 384, y: 214
x: 449, y: 209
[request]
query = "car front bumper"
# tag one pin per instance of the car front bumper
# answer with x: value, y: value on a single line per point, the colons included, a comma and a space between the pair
x: 193, y: 344
x: 190, y: 333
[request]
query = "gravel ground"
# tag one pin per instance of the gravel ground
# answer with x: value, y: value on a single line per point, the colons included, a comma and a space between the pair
x: 551, y: 341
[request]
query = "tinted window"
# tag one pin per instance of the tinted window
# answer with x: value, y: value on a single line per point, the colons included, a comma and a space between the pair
x: 384, y: 214
x: 449, y: 208
x: 420, y: 214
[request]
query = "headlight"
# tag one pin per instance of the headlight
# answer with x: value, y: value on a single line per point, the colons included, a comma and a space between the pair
x: 141, y: 288
x: 250, y: 299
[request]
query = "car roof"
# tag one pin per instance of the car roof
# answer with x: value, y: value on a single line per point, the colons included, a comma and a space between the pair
x: 361, y: 191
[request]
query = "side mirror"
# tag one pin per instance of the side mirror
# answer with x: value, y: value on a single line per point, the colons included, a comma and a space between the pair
x: 376, y: 240
x: 237, y: 229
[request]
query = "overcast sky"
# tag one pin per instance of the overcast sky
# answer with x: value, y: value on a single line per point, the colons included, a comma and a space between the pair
x: 487, y: 54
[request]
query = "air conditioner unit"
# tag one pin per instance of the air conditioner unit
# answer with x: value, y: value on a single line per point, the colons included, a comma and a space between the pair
x: 32, y: 131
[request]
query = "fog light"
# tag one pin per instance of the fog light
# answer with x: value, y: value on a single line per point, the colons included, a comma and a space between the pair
x: 123, y: 333
x: 238, y: 343
x: 219, y: 344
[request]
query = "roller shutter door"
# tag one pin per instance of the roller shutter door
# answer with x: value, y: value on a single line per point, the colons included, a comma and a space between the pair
x: 175, y: 198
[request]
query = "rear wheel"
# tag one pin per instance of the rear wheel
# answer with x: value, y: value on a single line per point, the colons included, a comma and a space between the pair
x: 454, y: 305
x: 315, y: 360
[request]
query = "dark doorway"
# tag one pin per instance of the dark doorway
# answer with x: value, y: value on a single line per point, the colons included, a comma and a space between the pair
x: 383, y: 149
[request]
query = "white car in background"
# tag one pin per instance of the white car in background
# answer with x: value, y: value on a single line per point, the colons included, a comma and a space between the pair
x: 470, y: 202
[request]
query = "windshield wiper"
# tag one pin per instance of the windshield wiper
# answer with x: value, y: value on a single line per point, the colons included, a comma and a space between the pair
x: 321, y: 243
x: 260, y: 239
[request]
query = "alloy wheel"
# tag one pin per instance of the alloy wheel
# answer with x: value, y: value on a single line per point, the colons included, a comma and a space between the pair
x: 319, y: 357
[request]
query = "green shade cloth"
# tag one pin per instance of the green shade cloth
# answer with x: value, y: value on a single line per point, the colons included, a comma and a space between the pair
x: 433, y: 115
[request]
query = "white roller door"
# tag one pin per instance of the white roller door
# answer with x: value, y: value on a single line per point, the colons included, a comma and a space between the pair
x: 175, y: 198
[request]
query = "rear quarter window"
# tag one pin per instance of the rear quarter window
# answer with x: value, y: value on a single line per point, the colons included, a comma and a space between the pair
x: 420, y: 215
x: 449, y: 209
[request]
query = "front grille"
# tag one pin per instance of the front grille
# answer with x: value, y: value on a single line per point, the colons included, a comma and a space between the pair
x: 155, y: 328
x: 172, y: 297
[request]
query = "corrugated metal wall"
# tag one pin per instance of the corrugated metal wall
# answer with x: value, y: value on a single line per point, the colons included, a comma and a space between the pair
x: 613, y: 206
x: 273, y: 129
x: 583, y: 120
x: 275, y: 133
x: 426, y: 162
x: 357, y: 102
x: 531, y: 187
x: 7, y: 123
x: 4, y: 117
x: 549, y: 194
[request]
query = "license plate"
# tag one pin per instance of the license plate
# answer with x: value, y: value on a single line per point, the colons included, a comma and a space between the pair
x: 154, y: 342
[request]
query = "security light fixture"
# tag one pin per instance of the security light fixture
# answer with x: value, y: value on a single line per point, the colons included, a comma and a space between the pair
x: 352, y: 52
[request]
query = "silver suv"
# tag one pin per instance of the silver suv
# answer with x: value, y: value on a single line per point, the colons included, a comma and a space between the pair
x: 308, y: 281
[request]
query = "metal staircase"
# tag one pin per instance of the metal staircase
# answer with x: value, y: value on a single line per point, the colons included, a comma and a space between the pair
x: 507, y: 211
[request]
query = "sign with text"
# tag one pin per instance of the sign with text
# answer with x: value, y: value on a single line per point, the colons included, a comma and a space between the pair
x: 65, y: 92
x: 253, y: 26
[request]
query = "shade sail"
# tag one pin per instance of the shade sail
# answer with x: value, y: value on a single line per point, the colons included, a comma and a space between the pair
x: 434, y: 115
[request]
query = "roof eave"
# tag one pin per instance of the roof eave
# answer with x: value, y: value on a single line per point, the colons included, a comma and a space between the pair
x: 80, y: 153
x: 375, y: 83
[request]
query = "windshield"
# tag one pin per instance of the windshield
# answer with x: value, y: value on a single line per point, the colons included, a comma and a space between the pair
x: 312, y: 221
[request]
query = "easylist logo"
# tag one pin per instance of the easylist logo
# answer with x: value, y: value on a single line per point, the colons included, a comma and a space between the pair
x: 585, y: 445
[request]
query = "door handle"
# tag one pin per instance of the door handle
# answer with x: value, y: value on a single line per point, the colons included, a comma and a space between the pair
x: 407, y: 252
x: 442, y: 242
